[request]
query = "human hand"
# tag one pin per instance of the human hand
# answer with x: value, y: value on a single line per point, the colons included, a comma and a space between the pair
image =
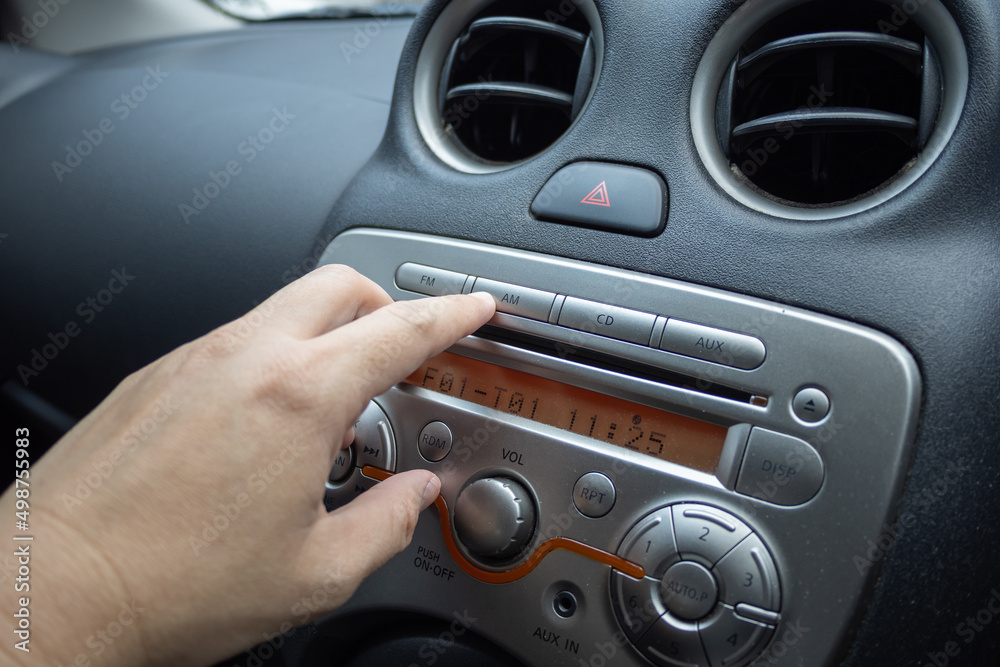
x: 243, y: 423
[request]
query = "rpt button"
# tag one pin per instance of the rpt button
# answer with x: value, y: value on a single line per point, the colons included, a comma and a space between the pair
x: 594, y: 495
x: 602, y: 319
x: 516, y: 300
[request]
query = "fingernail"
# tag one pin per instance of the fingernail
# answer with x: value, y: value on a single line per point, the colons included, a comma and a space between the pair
x: 431, y: 492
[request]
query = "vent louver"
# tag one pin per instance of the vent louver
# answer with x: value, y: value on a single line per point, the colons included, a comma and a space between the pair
x: 828, y: 102
x: 514, y: 80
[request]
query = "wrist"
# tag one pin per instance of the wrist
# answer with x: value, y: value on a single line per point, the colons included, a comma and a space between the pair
x: 74, y: 598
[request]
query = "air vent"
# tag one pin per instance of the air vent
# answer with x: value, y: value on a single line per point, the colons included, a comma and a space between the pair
x: 825, y: 104
x: 822, y: 108
x: 515, y: 78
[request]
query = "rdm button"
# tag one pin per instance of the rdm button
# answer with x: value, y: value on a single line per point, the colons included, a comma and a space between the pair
x: 607, y: 196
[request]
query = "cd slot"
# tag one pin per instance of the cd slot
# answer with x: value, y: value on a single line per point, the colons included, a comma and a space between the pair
x: 575, y: 353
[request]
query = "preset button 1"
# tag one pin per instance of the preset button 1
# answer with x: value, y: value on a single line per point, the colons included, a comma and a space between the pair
x: 651, y: 543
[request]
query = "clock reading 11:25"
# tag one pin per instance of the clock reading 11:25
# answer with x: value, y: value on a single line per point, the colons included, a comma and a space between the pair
x: 618, y: 422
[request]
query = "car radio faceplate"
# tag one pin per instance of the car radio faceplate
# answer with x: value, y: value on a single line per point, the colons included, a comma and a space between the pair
x: 634, y: 469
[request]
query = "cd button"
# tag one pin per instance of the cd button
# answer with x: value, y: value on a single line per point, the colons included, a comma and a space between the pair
x: 524, y: 301
x: 604, y: 320
x: 706, y: 532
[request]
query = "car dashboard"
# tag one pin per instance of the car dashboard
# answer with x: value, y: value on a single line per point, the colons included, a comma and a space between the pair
x: 738, y: 402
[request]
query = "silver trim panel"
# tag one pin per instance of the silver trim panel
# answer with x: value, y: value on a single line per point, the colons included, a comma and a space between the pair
x: 864, y: 443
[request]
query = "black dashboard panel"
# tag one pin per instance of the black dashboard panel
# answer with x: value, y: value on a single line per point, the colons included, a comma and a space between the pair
x: 122, y: 207
x: 923, y: 268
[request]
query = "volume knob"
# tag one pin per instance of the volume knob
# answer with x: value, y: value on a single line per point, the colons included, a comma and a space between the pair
x: 494, y: 517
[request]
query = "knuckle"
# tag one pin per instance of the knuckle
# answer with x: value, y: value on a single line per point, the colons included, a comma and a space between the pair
x: 340, y: 273
x: 284, y: 377
x: 415, y: 315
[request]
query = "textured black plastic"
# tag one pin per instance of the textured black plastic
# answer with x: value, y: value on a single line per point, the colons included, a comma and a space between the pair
x: 120, y: 208
x: 923, y: 267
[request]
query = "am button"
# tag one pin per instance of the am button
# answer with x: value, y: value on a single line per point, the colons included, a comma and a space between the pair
x: 516, y: 300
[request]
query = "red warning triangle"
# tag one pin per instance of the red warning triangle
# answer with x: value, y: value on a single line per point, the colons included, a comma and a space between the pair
x: 598, y: 196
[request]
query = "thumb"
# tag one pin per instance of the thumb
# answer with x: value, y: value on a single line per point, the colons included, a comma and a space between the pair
x: 357, y: 539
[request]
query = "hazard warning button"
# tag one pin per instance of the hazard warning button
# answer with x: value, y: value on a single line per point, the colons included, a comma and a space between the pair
x: 606, y: 196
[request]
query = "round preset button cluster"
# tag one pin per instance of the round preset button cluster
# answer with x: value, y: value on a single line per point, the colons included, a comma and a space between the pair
x: 710, y: 597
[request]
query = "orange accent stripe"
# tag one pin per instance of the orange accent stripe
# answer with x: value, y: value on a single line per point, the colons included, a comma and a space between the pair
x: 549, y: 545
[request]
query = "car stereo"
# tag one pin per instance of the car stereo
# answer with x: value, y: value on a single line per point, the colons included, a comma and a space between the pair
x: 634, y: 470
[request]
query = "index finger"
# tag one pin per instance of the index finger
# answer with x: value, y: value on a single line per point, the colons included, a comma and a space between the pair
x: 378, y: 350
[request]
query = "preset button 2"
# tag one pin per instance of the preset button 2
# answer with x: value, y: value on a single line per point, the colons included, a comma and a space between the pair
x: 706, y: 533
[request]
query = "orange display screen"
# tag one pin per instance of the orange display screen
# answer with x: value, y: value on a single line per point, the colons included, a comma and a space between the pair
x: 618, y: 422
